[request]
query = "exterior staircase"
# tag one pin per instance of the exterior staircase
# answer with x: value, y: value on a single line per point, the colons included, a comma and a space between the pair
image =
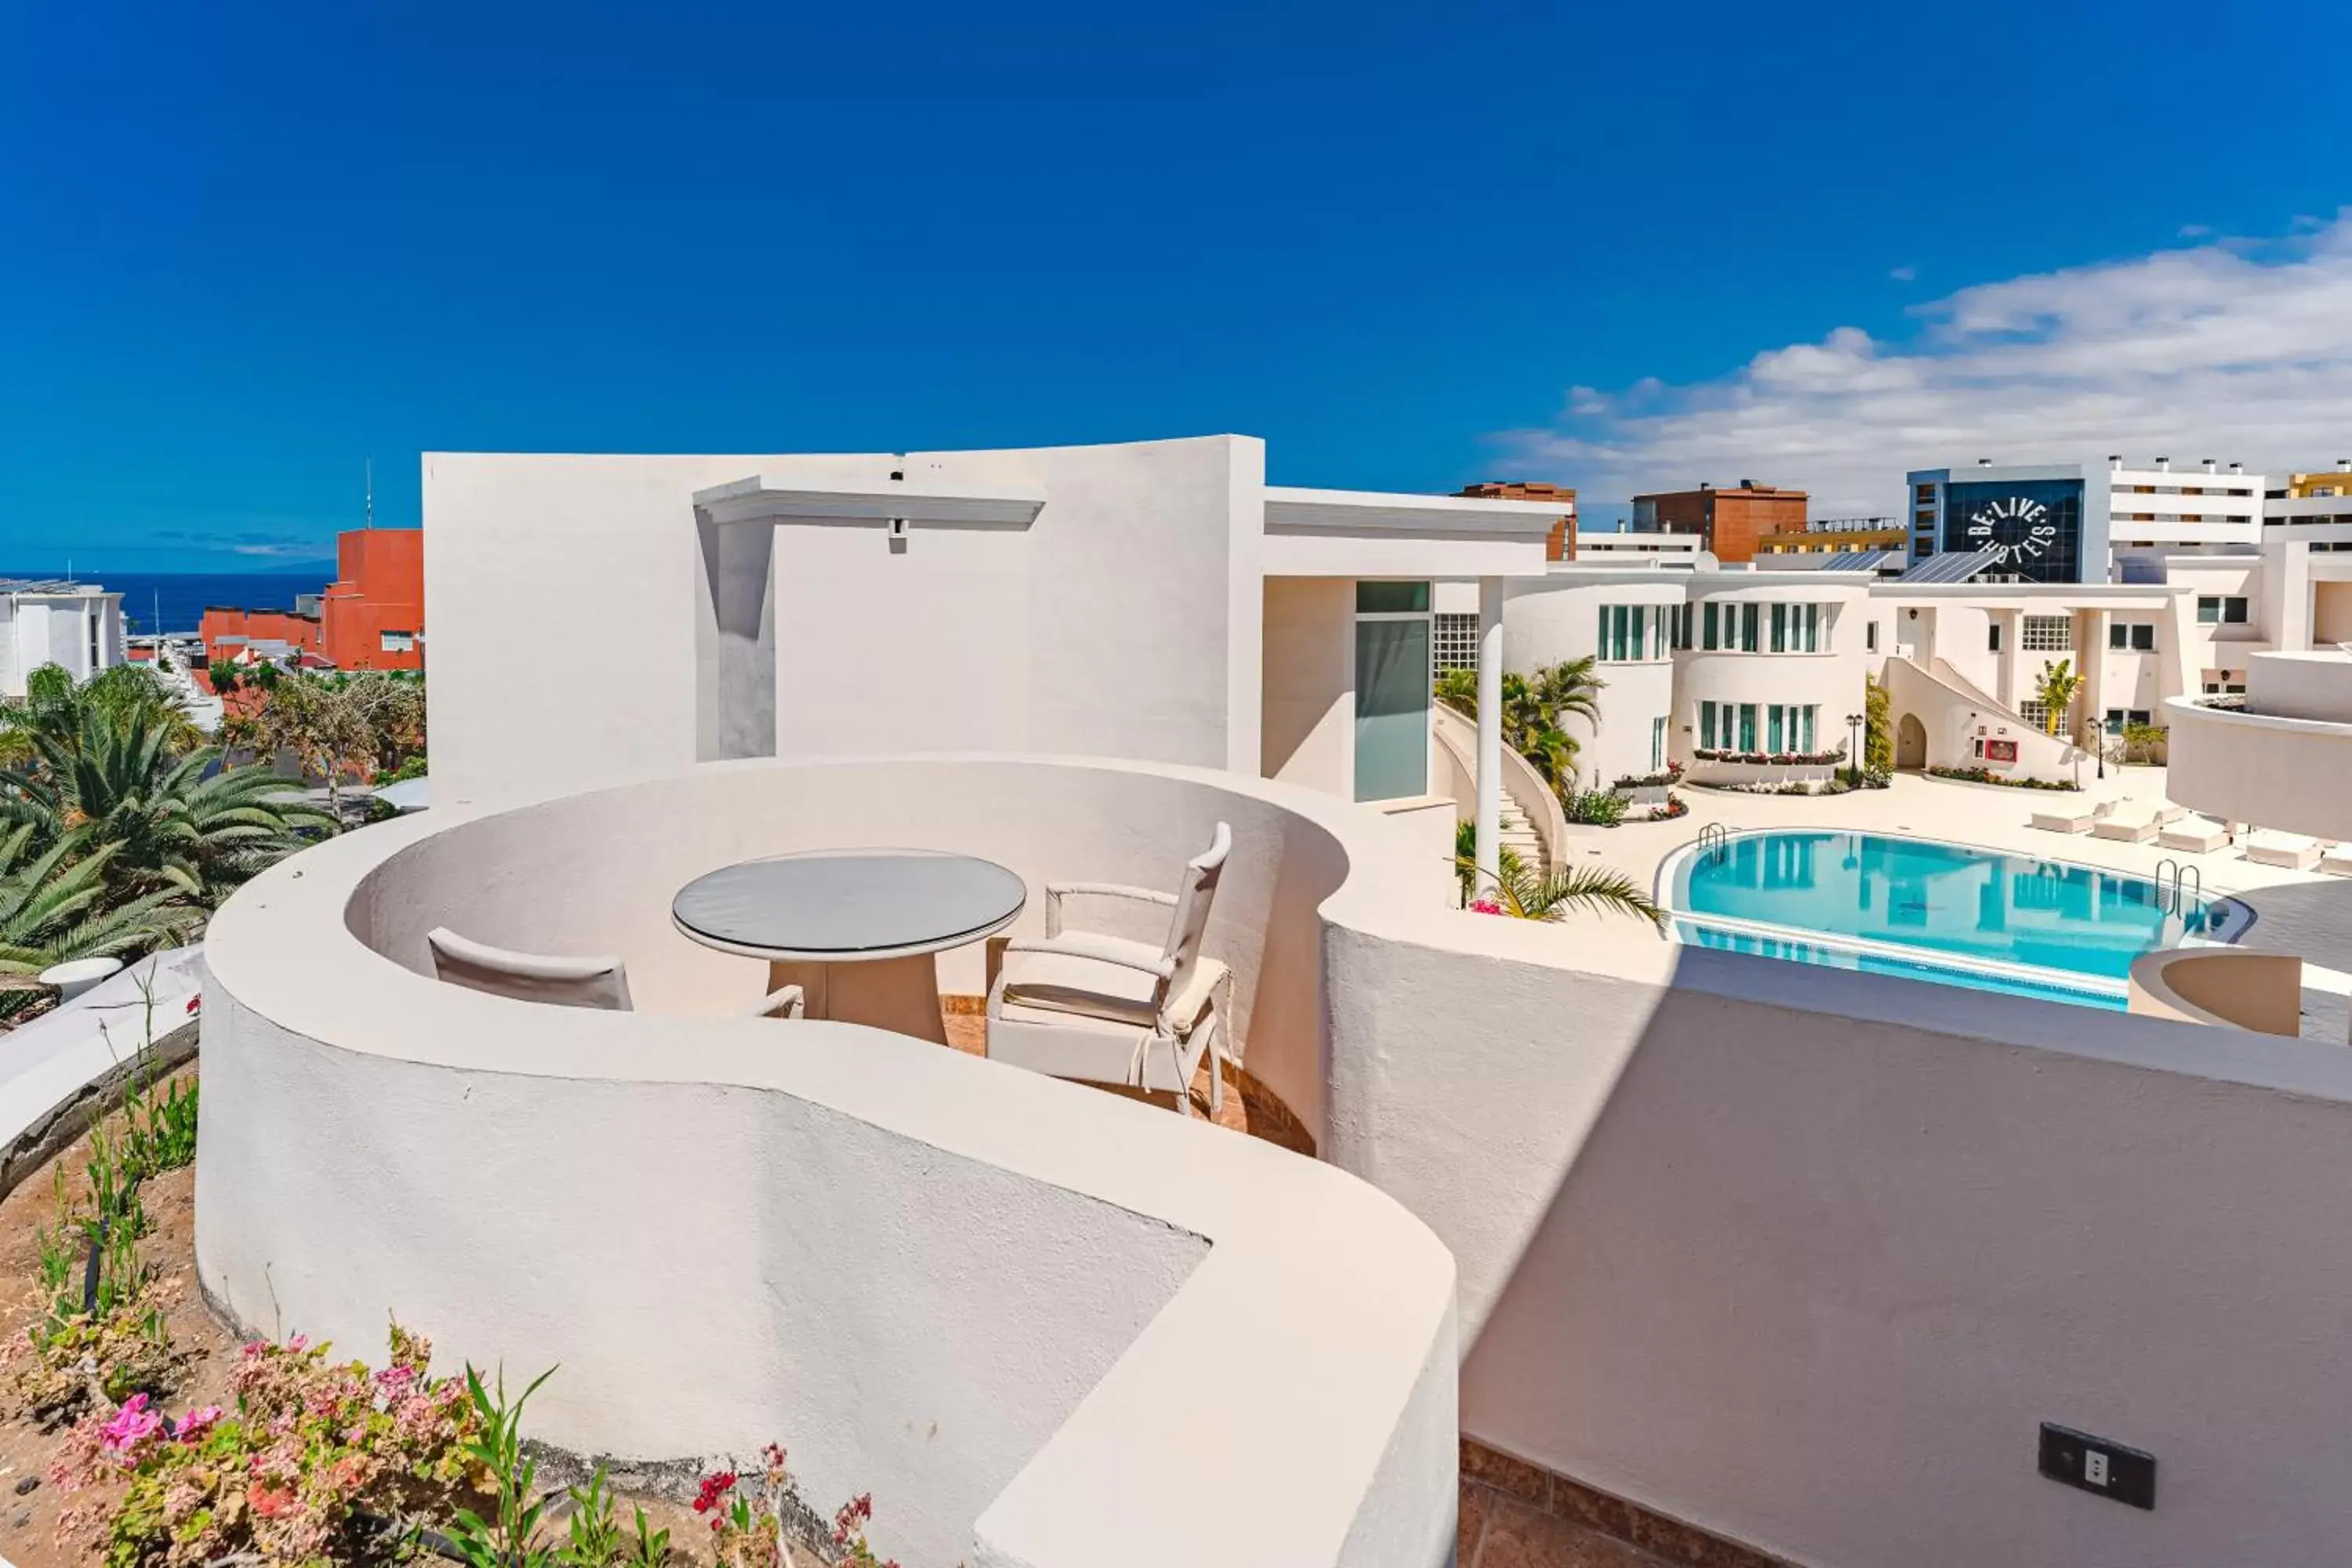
x: 1521, y: 838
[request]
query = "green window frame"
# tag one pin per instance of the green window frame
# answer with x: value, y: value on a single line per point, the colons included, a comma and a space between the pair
x: 1747, y: 723
x: 1707, y: 725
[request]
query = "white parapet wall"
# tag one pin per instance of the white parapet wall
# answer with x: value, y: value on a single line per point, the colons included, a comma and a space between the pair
x: 1043, y: 1325
x: 2260, y: 768
x: 1805, y: 1256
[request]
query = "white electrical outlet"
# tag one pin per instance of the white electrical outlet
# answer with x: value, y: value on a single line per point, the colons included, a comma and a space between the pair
x: 2095, y: 1467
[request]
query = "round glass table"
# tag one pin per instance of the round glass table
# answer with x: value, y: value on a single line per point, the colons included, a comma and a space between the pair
x: 855, y: 928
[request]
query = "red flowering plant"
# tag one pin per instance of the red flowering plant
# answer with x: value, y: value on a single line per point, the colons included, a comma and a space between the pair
x: 315, y: 1457
x: 749, y: 1525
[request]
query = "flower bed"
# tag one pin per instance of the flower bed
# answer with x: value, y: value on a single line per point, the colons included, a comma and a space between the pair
x: 141, y: 1434
x: 1986, y: 776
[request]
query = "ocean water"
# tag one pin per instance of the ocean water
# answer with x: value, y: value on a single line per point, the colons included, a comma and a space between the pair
x: 180, y: 598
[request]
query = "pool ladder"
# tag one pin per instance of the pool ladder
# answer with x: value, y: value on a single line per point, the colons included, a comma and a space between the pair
x: 1715, y: 839
x: 2176, y: 902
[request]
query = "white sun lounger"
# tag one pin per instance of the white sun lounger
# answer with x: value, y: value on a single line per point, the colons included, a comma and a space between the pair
x: 2131, y: 821
x: 2071, y: 818
x: 2197, y: 834
x: 2294, y: 851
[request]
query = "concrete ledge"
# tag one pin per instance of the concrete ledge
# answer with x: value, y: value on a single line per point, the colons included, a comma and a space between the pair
x: 65, y: 1068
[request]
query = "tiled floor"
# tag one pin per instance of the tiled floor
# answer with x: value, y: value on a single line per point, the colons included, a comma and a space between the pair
x: 1248, y: 1108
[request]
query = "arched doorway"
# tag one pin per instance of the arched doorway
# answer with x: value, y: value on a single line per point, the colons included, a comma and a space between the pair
x: 1910, y: 742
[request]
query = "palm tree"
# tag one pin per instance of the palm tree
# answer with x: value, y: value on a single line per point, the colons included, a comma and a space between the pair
x: 1521, y: 894
x: 165, y: 825
x: 1532, y: 709
x: 55, y: 708
x: 50, y: 907
x: 2057, y: 687
x: 1572, y: 687
x: 1593, y: 889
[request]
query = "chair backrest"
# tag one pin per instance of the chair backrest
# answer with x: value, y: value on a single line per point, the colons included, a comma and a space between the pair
x: 1193, y: 901
x: 529, y: 976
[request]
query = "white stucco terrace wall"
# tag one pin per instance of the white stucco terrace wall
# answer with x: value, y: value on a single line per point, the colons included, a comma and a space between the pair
x: 1044, y: 1326
x: 2259, y: 768
x: 1804, y: 1257
x: 573, y: 611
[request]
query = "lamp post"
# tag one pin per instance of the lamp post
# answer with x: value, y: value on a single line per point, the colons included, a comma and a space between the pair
x: 1853, y: 723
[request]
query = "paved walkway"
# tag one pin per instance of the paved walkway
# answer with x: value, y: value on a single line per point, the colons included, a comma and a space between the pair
x: 2303, y: 912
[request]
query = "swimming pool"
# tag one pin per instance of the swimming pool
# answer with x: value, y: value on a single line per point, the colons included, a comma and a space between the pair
x: 1948, y: 912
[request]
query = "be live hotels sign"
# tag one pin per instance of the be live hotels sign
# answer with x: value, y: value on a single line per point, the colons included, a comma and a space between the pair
x: 2033, y: 528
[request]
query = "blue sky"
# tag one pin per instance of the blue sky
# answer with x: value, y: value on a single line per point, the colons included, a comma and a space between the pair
x: 242, y: 247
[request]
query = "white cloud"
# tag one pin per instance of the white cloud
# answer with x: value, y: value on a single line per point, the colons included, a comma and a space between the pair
x: 1905, y: 274
x: 2229, y: 349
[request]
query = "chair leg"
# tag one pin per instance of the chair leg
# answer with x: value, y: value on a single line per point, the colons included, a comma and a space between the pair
x: 1176, y: 1066
x: 1216, y: 1075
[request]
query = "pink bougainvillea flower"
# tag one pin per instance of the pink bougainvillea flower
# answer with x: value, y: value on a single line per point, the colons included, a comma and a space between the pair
x: 714, y: 1487
x: 196, y: 1423
x: 1486, y: 907
x: 132, y: 1425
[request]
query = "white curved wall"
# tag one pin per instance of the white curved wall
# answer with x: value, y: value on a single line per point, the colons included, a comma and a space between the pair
x: 2286, y: 773
x: 1558, y: 618
x: 1023, y: 1314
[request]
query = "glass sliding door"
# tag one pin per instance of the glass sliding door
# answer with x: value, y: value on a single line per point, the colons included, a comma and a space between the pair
x: 1392, y: 677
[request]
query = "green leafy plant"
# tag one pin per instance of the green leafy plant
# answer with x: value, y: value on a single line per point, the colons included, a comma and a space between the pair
x: 1533, y: 710
x: 2056, y: 687
x: 2143, y: 741
x: 1877, y: 737
x: 1595, y: 807
x: 510, y: 1539
x: 303, y: 1469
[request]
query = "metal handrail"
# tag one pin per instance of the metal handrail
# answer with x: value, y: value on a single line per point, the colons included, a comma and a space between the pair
x: 2177, y: 902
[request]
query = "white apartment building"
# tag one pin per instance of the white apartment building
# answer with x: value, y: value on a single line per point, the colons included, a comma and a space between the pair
x: 2206, y: 510
x: 76, y: 625
x: 1703, y: 666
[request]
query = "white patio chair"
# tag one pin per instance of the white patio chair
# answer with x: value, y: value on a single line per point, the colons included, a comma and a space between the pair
x: 1106, y: 1009
x: 600, y: 982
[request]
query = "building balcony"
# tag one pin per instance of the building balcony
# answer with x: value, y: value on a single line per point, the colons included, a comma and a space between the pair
x: 1019, y: 1309
x: 1580, y: 1196
x: 2277, y: 757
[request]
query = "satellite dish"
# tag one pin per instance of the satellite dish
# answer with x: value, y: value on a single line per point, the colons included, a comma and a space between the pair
x: 1705, y: 561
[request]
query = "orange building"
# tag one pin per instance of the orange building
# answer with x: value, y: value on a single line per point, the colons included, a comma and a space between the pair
x: 274, y: 635
x: 1561, y: 546
x: 1729, y: 523
x: 374, y: 613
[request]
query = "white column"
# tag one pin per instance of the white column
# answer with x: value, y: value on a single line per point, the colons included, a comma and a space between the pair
x: 1488, y: 815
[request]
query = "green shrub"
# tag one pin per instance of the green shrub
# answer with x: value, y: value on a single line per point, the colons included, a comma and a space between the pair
x: 1595, y: 807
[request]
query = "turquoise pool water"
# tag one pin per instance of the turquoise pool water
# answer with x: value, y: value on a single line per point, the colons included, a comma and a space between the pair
x: 1940, y: 899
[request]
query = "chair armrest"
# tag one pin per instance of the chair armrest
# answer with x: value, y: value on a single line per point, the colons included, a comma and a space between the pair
x: 786, y: 1002
x: 1057, y: 891
x: 1078, y: 945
